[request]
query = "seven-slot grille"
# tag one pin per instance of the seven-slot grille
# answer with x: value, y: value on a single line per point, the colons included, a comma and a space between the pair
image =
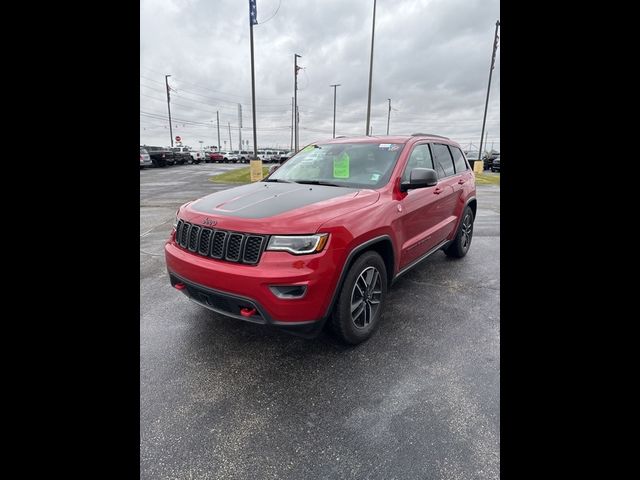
x: 220, y: 244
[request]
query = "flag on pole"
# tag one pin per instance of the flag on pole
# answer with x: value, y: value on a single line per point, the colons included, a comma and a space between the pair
x: 253, y: 12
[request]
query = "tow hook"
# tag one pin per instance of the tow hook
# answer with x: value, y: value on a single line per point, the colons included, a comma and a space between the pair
x: 247, y: 312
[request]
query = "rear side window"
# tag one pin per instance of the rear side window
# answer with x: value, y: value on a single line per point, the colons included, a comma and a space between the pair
x: 443, y: 160
x: 458, y: 159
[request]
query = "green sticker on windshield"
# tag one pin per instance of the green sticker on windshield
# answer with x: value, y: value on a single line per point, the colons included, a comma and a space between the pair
x: 341, y: 166
x: 308, y: 148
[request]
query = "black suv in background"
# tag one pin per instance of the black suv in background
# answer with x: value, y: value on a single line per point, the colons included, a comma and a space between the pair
x: 489, y: 158
x: 495, y: 166
x: 160, y: 156
x: 181, y: 155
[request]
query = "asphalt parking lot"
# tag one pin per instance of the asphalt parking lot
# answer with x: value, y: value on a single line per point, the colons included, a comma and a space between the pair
x: 224, y: 399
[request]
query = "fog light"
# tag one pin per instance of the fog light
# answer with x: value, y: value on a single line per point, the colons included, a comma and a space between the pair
x: 288, y: 291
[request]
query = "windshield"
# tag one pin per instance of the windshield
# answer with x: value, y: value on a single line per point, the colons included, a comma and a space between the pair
x: 358, y: 165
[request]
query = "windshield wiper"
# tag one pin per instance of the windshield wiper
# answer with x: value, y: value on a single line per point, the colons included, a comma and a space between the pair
x: 317, y: 182
x: 278, y: 180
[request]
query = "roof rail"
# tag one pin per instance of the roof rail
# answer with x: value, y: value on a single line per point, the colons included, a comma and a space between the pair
x: 427, y: 135
x: 341, y: 136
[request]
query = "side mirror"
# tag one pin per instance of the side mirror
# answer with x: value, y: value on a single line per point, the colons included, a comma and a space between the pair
x: 420, y: 178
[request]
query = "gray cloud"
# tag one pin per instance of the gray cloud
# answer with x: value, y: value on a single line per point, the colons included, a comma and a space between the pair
x: 431, y: 58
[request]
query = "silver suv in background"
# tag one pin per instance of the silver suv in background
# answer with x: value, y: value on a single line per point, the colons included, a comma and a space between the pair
x: 230, y: 156
x: 145, y: 159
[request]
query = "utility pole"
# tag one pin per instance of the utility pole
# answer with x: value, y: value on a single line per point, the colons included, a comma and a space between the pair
x: 253, y: 19
x: 388, y: 116
x: 166, y: 81
x: 218, y: 122
x: 334, y: 107
x: 486, y: 103
x: 240, y: 128
x: 230, y: 142
x: 373, y: 31
x: 295, y: 97
x: 293, y: 109
x: 486, y: 136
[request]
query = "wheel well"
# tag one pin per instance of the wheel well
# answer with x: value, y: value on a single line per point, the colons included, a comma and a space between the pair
x: 385, y: 250
x: 473, y: 204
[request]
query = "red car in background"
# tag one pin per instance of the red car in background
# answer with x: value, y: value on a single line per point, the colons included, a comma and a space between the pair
x: 215, y: 157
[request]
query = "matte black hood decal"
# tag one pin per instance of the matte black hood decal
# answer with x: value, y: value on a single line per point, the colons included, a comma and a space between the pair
x: 261, y: 199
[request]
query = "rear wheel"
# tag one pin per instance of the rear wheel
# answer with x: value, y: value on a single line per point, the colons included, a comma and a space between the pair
x: 461, y: 243
x: 359, y: 305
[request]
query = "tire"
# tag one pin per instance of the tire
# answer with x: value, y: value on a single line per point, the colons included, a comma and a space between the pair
x: 459, y: 247
x: 360, y: 278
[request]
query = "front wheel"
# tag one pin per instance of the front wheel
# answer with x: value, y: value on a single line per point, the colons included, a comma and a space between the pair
x: 359, y: 306
x: 461, y: 243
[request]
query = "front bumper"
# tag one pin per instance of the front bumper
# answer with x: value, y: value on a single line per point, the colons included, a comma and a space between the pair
x: 228, y: 287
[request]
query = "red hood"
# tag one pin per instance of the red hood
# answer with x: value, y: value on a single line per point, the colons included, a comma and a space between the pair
x: 276, y: 208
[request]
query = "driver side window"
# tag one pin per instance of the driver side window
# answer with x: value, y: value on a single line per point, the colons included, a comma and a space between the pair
x: 420, y: 158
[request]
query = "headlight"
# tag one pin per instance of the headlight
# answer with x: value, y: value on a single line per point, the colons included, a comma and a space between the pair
x: 298, y: 244
x: 175, y: 221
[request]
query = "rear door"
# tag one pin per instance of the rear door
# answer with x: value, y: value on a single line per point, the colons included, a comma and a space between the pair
x: 448, y: 186
x: 463, y: 171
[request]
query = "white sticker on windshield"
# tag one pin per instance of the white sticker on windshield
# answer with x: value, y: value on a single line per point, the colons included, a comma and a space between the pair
x: 384, y: 145
x: 375, y: 177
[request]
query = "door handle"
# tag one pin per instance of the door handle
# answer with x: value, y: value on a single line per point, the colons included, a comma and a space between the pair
x: 438, y: 190
x: 461, y: 181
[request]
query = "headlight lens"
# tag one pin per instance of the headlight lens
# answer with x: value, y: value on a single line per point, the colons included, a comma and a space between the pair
x: 175, y: 221
x: 298, y: 244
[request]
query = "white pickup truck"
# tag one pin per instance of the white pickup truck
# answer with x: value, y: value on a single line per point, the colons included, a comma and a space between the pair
x: 196, y: 156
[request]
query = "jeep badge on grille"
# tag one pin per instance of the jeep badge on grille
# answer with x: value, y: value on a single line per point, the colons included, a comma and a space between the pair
x: 209, y: 222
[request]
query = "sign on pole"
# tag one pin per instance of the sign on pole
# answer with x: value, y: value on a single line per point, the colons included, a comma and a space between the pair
x: 256, y: 170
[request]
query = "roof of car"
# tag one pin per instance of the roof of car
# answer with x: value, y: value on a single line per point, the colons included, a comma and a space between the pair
x: 383, y: 138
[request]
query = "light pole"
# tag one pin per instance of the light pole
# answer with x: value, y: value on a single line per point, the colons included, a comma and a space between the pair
x: 388, y: 116
x: 334, y: 107
x: 295, y: 97
x: 373, y: 31
x: 486, y: 103
x: 218, y: 122
x: 166, y: 81
x: 253, y: 14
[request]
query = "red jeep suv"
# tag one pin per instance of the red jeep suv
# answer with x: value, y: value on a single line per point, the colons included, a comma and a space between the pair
x: 324, y: 236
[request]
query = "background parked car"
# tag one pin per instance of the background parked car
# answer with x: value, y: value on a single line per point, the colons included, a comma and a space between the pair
x: 268, y: 156
x: 160, y: 156
x: 215, y: 157
x: 230, y: 156
x: 243, y: 156
x: 181, y: 155
x: 198, y: 156
x: 488, y: 159
x: 145, y: 159
x: 495, y: 166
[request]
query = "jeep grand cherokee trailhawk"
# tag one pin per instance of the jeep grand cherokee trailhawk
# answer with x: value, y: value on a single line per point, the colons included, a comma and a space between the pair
x: 324, y: 236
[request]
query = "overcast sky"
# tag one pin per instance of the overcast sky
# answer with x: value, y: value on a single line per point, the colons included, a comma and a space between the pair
x: 431, y: 57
